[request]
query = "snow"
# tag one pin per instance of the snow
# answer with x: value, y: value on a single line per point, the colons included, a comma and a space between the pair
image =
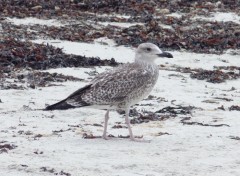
x: 118, y: 24
x: 205, y: 61
x: 188, y: 150
x: 109, y: 15
x: 32, y: 21
x: 106, y: 49
x: 221, y: 17
x: 166, y: 26
x: 96, y: 49
x: 176, y: 15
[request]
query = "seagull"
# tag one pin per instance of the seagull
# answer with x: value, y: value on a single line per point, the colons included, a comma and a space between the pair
x: 119, y: 88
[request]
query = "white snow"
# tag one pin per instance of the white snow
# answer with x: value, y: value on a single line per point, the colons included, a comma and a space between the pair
x: 221, y: 17
x: 176, y: 15
x: 32, y: 21
x: 205, y: 61
x: 96, y: 49
x: 106, y: 49
x: 120, y: 24
x: 110, y: 15
x: 164, y: 26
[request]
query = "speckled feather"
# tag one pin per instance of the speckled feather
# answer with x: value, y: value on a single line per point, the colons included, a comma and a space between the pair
x: 121, y: 87
x: 118, y: 88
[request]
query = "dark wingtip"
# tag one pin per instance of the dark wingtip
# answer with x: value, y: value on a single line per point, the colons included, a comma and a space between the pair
x: 59, y: 106
x: 169, y: 55
x: 49, y: 108
x: 63, y: 105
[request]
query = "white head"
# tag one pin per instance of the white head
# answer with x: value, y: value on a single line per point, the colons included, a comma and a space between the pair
x: 148, y: 52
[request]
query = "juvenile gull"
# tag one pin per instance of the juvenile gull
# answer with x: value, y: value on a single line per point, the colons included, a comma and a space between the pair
x: 119, y: 88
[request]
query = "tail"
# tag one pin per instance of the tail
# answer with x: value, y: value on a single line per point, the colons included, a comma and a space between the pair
x: 76, y: 96
x: 61, y: 105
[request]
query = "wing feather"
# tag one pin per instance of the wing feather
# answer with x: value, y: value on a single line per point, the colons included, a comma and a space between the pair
x: 114, y: 86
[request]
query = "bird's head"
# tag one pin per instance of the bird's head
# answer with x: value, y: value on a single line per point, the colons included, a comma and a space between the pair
x: 148, y: 52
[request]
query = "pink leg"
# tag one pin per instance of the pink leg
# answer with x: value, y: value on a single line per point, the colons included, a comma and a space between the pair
x: 105, y: 125
x: 130, y: 129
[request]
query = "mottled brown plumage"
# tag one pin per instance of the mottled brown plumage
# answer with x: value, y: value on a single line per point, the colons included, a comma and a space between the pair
x: 119, y: 88
x: 116, y: 89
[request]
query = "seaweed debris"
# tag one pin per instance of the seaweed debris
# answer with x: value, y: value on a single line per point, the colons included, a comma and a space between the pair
x: 5, y: 147
x: 185, y: 121
x: 214, y: 76
x: 218, y: 75
x: 131, y: 7
x: 168, y: 32
x: 34, y: 79
x: 162, y: 114
x: 19, y: 54
x: 234, y: 108
x: 178, y: 110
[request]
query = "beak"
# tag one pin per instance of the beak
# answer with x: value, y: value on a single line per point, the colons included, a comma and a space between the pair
x: 165, y: 54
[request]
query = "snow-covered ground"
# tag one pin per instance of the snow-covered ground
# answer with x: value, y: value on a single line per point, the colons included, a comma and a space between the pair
x: 32, y: 21
x: 51, y: 143
x: 221, y: 17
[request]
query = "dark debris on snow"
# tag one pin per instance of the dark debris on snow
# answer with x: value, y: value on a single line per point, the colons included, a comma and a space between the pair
x: 184, y: 32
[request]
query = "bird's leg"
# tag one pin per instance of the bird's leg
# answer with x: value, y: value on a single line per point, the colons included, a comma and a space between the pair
x: 128, y: 124
x: 105, y: 125
x: 130, y: 129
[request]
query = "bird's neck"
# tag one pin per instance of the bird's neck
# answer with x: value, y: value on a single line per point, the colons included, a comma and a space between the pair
x: 151, y: 66
x: 144, y: 61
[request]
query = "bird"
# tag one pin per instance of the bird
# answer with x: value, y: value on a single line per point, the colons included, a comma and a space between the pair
x: 119, y: 88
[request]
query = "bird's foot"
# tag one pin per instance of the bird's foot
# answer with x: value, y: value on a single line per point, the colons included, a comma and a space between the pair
x: 105, y: 137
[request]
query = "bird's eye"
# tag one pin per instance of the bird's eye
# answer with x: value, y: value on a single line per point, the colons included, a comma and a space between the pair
x: 148, y: 49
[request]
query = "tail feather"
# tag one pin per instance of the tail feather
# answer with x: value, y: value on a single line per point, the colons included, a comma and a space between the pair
x: 63, y: 105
